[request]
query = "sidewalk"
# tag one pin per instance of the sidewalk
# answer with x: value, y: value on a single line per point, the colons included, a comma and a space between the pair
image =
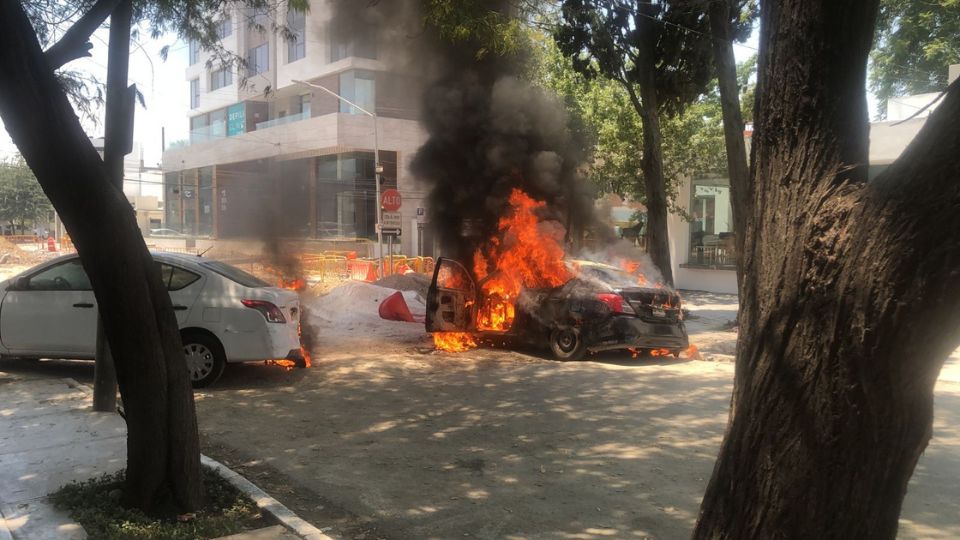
x: 50, y: 437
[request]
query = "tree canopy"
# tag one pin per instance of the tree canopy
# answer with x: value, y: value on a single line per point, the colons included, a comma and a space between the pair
x: 692, y: 140
x: 22, y: 201
x: 915, y: 42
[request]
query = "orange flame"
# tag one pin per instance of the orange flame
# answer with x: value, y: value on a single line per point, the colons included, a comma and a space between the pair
x: 635, y: 268
x: 295, y: 284
x: 307, y: 361
x: 692, y: 352
x: 282, y: 362
x: 522, y: 255
x: 454, y: 341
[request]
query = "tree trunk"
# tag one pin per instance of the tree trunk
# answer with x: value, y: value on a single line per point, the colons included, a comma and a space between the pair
x: 163, y: 469
x: 658, y: 240
x: 722, y: 34
x: 850, y: 299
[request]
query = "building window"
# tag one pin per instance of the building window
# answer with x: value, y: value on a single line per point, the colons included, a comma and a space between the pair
x: 194, y: 51
x: 297, y: 42
x: 199, y: 130
x: 225, y: 27
x: 194, y: 93
x: 302, y: 105
x: 220, y: 78
x: 218, y: 124
x: 711, y: 229
x: 258, y: 60
x: 360, y: 88
x: 357, y: 40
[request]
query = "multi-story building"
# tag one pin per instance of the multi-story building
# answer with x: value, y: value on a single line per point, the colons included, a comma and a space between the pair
x: 267, y: 151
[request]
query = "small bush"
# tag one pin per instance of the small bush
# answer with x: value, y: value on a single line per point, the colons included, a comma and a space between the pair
x: 95, y: 504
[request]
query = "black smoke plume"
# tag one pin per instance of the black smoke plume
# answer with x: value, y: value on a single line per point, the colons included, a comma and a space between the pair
x: 489, y: 130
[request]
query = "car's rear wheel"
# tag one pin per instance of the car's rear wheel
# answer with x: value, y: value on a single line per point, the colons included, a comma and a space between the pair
x: 566, y: 343
x: 205, y: 358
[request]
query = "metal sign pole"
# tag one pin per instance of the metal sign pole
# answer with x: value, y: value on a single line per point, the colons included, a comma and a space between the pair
x: 377, y: 169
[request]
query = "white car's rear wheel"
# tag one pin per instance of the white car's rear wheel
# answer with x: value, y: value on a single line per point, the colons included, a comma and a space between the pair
x: 205, y: 359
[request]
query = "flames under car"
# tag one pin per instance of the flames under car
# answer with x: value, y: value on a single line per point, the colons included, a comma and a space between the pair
x: 601, y: 308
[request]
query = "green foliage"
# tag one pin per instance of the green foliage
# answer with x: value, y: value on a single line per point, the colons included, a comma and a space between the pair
x: 915, y: 43
x: 478, y: 22
x: 608, y: 38
x: 95, y: 505
x: 693, y: 141
x: 22, y: 201
x: 747, y: 81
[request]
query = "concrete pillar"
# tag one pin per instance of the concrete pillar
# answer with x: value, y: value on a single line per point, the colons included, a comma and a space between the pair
x: 312, y: 194
x: 215, y: 201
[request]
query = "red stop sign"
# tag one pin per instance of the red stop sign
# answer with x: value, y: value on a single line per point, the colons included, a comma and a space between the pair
x: 390, y: 200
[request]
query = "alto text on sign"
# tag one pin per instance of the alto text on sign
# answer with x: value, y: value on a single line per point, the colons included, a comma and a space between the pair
x: 390, y: 200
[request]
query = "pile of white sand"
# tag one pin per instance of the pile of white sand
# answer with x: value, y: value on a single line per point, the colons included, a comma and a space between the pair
x: 350, y: 313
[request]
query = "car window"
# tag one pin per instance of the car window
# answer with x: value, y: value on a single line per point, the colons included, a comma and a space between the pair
x: 235, y: 274
x: 176, y: 278
x: 66, y: 276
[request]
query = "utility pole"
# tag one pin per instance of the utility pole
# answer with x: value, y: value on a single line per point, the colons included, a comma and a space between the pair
x: 118, y: 142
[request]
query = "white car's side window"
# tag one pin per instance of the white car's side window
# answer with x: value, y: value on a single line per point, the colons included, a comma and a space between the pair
x: 176, y: 278
x: 66, y: 276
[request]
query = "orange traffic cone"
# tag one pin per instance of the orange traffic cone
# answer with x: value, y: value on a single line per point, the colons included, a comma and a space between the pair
x: 371, y: 273
x: 51, y: 245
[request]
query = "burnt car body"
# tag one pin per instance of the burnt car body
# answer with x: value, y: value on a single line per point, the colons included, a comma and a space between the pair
x: 601, y: 308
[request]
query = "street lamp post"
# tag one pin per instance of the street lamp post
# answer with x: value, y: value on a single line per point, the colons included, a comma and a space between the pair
x: 377, y: 168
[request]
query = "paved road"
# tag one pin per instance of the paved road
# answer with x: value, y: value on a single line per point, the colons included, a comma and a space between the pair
x: 394, y: 442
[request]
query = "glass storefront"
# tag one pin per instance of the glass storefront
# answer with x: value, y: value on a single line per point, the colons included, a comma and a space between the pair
x: 205, y: 200
x: 346, y: 193
x: 188, y: 196
x: 711, y: 227
x: 171, y: 200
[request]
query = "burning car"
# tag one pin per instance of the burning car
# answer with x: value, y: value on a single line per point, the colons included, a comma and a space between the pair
x: 599, y: 308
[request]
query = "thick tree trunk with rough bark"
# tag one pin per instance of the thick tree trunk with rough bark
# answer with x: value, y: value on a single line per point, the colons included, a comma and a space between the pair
x: 851, y: 294
x: 726, y: 64
x: 655, y: 189
x: 163, y: 469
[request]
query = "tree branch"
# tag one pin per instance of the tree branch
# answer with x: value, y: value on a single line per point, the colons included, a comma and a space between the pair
x: 75, y: 42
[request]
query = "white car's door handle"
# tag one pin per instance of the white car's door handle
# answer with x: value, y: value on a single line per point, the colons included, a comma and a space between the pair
x: 179, y: 308
x: 83, y: 305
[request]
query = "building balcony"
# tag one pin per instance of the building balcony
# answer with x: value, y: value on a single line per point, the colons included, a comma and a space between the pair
x: 289, y: 119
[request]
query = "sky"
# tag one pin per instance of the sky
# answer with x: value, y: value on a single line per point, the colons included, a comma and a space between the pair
x: 164, y: 88
x: 166, y: 92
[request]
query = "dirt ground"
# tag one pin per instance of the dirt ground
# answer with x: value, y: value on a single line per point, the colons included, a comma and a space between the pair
x: 386, y: 439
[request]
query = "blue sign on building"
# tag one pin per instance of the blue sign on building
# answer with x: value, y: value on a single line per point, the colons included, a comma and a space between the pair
x: 236, y: 119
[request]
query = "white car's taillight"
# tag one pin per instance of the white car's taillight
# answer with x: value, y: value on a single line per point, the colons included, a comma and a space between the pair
x: 269, y: 311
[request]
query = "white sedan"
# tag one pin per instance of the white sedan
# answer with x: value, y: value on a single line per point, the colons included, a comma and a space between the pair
x: 225, y: 314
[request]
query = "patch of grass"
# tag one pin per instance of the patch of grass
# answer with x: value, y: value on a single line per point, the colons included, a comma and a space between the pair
x: 95, y: 504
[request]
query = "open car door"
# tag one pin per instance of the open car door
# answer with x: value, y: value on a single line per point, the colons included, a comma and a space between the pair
x: 451, y: 298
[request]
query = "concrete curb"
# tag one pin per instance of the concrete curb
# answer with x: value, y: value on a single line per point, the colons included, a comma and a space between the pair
x: 265, y: 502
